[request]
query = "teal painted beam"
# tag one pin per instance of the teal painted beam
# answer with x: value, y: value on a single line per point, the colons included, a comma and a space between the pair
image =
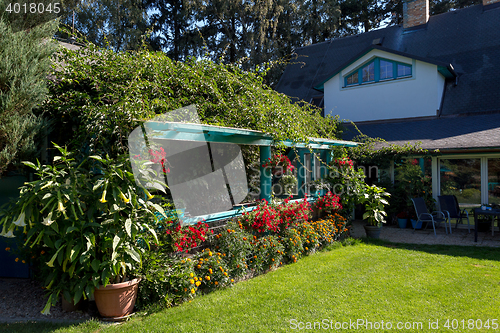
x: 265, y: 174
x: 301, y: 173
x: 208, y: 133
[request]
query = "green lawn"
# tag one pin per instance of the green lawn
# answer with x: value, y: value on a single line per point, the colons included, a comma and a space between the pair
x: 375, y: 282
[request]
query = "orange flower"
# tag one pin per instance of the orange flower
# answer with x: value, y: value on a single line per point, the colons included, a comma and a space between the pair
x: 7, y: 249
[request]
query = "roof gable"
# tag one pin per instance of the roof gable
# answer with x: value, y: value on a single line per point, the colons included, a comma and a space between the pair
x: 445, y: 69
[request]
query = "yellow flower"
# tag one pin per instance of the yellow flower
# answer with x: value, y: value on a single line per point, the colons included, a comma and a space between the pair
x: 207, y: 277
x: 191, y: 274
x: 193, y: 291
x: 103, y: 198
x: 191, y: 281
x: 124, y: 198
x: 210, y: 270
x: 23, y: 261
x: 197, y: 283
x: 232, y: 280
x: 150, y: 196
x: 210, y: 253
x: 17, y: 259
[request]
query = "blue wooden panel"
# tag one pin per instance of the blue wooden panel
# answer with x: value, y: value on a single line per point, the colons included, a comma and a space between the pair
x: 8, y: 265
x: 9, y: 188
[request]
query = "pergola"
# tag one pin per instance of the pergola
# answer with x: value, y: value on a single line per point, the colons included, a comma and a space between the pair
x: 210, y: 133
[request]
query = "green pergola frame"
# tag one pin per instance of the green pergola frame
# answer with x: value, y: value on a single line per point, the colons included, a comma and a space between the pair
x: 210, y: 133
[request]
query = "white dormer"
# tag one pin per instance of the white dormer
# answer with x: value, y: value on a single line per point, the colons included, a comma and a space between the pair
x: 383, y: 84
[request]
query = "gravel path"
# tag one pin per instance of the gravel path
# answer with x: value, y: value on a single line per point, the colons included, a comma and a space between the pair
x: 24, y: 299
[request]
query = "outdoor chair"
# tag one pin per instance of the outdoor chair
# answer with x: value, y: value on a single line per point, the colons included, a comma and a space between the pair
x: 424, y: 216
x: 448, y: 204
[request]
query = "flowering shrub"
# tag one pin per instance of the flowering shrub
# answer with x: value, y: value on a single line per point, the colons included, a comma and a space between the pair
x: 292, y: 213
x: 329, y: 203
x: 234, y: 242
x: 210, y: 270
x: 262, y: 219
x: 329, y: 229
x: 182, y: 239
x: 166, y: 281
x: 267, y: 253
x: 293, y: 247
x: 309, y: 236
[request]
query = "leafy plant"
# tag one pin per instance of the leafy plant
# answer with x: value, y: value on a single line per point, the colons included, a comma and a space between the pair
x: 87, y: 218
x: 374, y: 200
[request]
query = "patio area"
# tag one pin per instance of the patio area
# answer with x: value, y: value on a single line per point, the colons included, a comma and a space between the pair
x: 459, y: 236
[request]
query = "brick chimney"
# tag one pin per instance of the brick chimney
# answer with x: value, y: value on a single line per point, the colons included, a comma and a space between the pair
x: 489, y: 2
x: 416, y: 12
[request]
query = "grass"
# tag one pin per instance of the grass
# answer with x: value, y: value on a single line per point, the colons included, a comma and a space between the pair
x: 373, y: 281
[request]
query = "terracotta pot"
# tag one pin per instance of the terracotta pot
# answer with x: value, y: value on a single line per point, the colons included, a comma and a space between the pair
x: 117, y: 300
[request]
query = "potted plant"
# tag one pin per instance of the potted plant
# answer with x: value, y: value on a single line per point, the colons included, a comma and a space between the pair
x: 402, y: 219
x: 374, y: 201
x: 81, y: 225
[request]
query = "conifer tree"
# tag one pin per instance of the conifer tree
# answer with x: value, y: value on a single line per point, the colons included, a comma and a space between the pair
x: 25, y: 51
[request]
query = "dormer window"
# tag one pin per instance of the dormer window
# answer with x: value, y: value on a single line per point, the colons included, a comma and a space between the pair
x: 378, y: 70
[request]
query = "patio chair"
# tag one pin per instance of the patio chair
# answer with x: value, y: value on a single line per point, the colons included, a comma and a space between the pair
x: 423, y: 215
x: 448, y: 204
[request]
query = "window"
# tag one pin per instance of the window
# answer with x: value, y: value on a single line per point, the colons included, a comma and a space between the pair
x: 369, y: 72
x: 462, y: 178
x: 379, y: 70
x: 386, y: 70
x: 352, y: 79
x: 404, y: 70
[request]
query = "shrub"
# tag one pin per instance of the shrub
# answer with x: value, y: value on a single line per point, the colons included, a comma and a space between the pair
x: 166, y: 281
x: 210, y: 270
x: 267, y: 254
x: 88, y: 218
x: 329, y: 229
x: 329, y: 203
x: 263, y: 219
x: 310, y: 238
x: 292, y: 213
x: 292, y: 243
x: 234, y: 244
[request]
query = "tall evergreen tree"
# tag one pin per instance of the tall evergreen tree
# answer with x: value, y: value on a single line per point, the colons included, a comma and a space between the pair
x: 25, y: 49
x: 118, y: 24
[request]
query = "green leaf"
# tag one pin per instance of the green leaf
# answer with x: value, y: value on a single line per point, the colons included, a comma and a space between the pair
x: 30, y: 164
x: 95, y: 265
x: 136, y: 256
x: 128, y: 227
x: 75, y: 252
x: 51, y: 261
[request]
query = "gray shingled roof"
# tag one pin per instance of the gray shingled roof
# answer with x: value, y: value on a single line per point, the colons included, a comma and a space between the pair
x: 445, y: 132
x: 469, y: 39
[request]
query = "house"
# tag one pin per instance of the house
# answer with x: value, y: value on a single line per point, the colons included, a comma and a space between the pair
x: 434, y: 80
